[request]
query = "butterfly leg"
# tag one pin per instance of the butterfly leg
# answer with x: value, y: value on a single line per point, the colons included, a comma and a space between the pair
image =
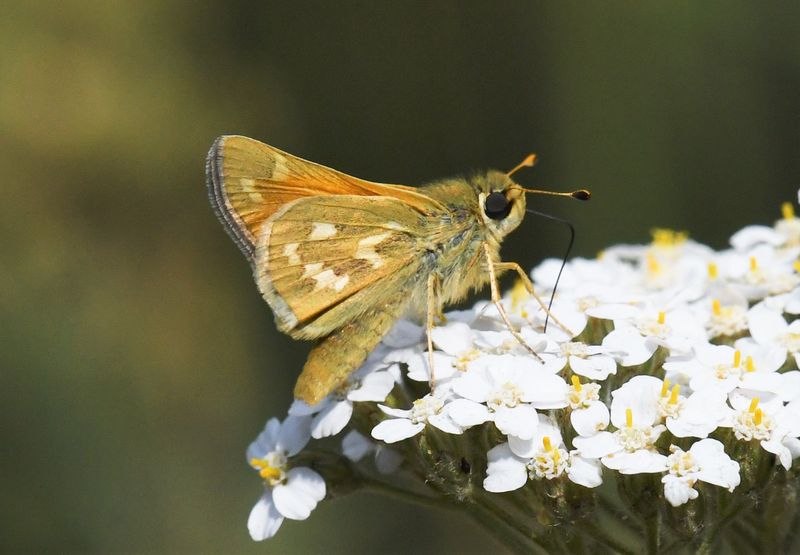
x: 432, y: 310
x: 498, y: 302
x: 526, y: 281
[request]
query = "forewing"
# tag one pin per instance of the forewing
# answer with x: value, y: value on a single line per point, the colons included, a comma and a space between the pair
x: 249, y: 181
x: 322, y: 261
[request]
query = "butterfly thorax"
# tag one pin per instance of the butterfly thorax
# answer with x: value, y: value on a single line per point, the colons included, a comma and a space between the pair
x: 460, y: 234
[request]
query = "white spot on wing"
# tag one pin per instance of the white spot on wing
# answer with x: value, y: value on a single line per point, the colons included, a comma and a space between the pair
x: 290, y: 250
x: 330, y: 279
x: 280, y: 171
x: 366, y: 249
x: 322, y: 231
x: 311, y: 270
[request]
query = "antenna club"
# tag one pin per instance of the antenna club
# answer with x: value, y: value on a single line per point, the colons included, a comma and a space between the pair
x: 581, y: 194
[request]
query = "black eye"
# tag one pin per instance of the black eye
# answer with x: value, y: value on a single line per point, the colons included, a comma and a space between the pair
x: 497, y: 206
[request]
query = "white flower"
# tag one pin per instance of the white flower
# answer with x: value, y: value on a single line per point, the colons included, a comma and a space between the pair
x: 289, y: 492
x: 431, y: 409
x: 634, y: 412
x: 729, y: 319
x: 512, y: 464
x: 764, y: 417
x: 506, y: 390
x: 640, y: 331
x: 333, y: 413
x: 769, y: 329
x: 705, y: 461
x: 590, y: 361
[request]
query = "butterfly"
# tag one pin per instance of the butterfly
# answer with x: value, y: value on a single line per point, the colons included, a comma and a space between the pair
x: 340, y: 259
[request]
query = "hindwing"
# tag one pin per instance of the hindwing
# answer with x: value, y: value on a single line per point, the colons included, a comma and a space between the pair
x: 323, y: 261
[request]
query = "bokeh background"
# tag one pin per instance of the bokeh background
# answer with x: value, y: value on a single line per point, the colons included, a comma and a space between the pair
x: 137, y: 359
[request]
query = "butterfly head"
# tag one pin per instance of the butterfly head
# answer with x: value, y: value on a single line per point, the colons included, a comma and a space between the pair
x: 501, y: 202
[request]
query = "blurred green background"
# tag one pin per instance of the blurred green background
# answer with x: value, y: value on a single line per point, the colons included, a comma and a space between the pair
x: 137, y: 359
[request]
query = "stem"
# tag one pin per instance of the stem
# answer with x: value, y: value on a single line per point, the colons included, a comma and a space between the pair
x: 405, y: 495
x: 512, y: 538
x: 601, y: 536
x: 653, y: 529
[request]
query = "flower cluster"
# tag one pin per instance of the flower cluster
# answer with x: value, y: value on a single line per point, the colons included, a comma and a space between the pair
x: 669, y: 360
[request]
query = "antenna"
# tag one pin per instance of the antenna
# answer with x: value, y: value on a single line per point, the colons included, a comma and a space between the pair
x: 563, y: 261
x: 528, y: 162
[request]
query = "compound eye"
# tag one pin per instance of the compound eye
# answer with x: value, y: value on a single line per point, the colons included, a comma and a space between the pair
x: 497, y: 206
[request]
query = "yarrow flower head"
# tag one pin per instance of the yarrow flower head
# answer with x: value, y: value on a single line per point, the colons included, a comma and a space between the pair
x: 662, y: 387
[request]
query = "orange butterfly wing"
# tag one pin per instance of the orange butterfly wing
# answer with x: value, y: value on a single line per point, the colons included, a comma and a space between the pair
x: 248, y: 181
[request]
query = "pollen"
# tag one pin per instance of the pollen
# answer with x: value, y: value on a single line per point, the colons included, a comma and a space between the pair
x: 518, y: 295
x: 753, y: 264
x: 787, y: 210
x: 665, y: 388
x: 673, y: 398
x: 758, y: 416
x: 576, y: 383
x: 753, y: 405
x: 653, y: 265
x: 716, y: 307
x: 662, y: 317
x: 668, y: 237
x: 271, y: 468
x: 713, y: 271
x: 737, y: 358
x: 629, y: 418
x: 749, y: 365
x: 546, y: 444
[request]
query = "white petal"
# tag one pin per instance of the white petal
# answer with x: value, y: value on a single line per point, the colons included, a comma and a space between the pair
x: 596, y: 446
x: 752, y: 235
x: 614, y: 312
x: 374, y: 387
x: 630, y: 342
x: 294, y: 434
x: 765, y: 324
x: 264, y: 519
x: 677, y: 490
x: 303, y: 489
x: 468, y: 413
x: 396, y: 429
x: 638, y: 462
x: 404, y: 334
x: 596, y: 367
x: 454, y: 338
x: 544, y: 390
x: 443, y: 422
x: 520, y: 421
x: 640, y: 394
x: 266, y: 440
x: 585, y: 472
x: 301, y: 408
x: 505, y: 472
x: 777, y: 448
x: 355, y: 446
x: 398, y: 413
x: 442, y: 367
x: 332, y: 419
x: 590, y: 420
x: 474, y: 385
x: 387, y: 461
